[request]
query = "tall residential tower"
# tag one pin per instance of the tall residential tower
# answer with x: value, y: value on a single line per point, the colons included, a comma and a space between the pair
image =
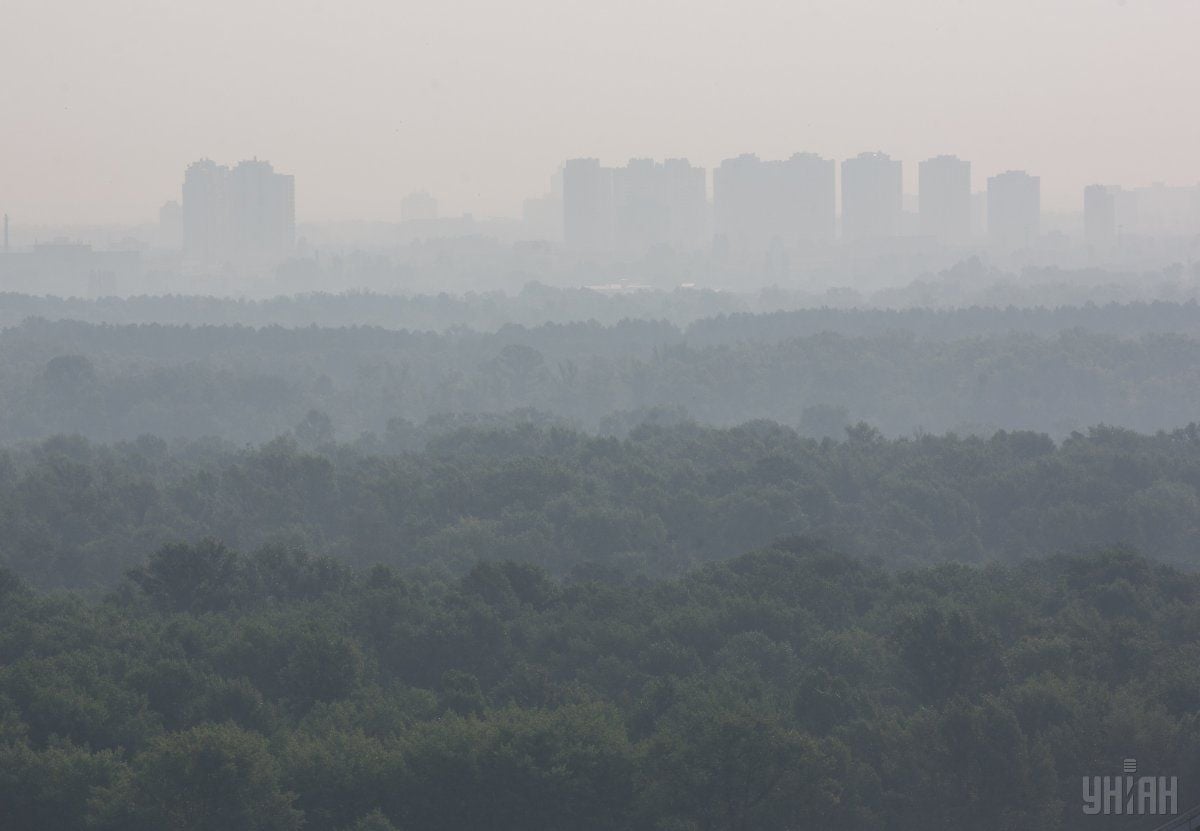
x: 1014, y: 206
x: 944, y: 184
x: 872, y: 197
x: 243, y: 214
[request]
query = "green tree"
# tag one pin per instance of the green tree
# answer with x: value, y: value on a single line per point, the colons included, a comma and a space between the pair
x: 215, y: 777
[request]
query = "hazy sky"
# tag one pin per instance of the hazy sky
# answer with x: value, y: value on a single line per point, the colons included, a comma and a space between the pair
x: 104, y: 102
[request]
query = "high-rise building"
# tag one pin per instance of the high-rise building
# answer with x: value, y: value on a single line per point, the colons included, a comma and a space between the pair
x: 1125, y: 206
x: 631, y: 209
x: 758, y: 204
x: 659, y: 204
x: 640, y: 216
x: 684, y: 189
x: 739, y: 204
x: 247, y: 213
x: 872, y: 196
x: 1014, y: 209
x: 587, y: 206
x: 263, y: 210
x: 944, y: 204
x: 1099, y: 216
x: 206, y: 211
x: 807, y: 197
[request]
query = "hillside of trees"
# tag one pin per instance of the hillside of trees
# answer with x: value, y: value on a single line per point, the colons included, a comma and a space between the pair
x: 668, y: 497
x: 789, y: 688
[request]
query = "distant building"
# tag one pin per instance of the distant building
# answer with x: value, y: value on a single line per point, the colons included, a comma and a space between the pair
x: 205, y: 211
x: 1099, y: 216
x: 945, y: 199
x: 587, y: 206
x: 418, y: 207
x: 808, y: 196
x: 760, y: 204
x: 1166, y: 211
x: 263, y: 209
x: 872, y: 197
x: 246, y: 213
x: 67, y: 268
x: 631, y: 209
x: 1125, y: 206
x: 658, y: 204
x: 1014, y: 209
x: 640, y: 216
x: 740, y: 198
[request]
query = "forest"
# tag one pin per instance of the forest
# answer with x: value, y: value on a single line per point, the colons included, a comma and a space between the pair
x: 791, y: 687
x: 665, y: 499
x: 495, y: 562
x: 244, y: 384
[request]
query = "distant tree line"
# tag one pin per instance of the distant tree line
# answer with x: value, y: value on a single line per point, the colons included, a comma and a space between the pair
x: 666, y: 498
x: 485, y: 296
x: 249, y: 385
x: 934, y: 310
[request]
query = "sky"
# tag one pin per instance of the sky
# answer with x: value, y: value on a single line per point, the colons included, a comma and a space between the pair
x: 103, y: 103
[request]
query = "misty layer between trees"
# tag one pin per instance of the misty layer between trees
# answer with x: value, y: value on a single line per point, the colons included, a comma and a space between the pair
x: 970, y: 371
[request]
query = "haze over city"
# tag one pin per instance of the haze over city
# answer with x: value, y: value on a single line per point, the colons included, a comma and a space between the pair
x: 599, y: 415
x: 479, y: 103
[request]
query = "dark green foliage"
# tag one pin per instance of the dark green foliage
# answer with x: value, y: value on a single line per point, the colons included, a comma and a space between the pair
x: 665, y: 499
x: 186, y: 578
x: 210, y: 778
x: 791, y: 687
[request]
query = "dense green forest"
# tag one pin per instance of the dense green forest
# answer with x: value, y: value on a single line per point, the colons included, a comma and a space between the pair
x: 667, y: 497
x: 789, y: 688
x: 249, y: 385
x: 719, y: 570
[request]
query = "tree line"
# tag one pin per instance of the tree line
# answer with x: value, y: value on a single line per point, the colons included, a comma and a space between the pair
x: 249, y: 385
x: 669, y: 496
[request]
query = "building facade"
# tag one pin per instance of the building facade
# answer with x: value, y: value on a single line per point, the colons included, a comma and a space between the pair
x: 872, y: 197
x: 244, y: 213
x: 944, y: 199
x: 632, y: 209
x: 761, y: 204
x: 1099, y: 217
x: 1014, y: 209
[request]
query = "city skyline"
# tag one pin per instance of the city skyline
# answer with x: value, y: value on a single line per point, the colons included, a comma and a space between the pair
x: 367, y: 101
x: 912, y: 186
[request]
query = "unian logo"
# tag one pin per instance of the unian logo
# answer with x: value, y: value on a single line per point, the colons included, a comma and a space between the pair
x: 1130, y: 794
